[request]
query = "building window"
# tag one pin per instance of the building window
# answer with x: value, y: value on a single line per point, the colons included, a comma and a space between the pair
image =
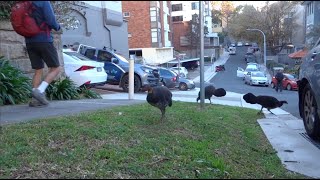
x: 195, y: 6
x: 126, y: 14
x: 129, y: 35
x: 153, y: 14
x: 177, y: 18
x: 176, y: 7
x: 154, y: 35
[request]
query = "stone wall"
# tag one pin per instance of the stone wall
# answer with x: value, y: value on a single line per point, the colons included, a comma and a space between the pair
x: 12, y: 46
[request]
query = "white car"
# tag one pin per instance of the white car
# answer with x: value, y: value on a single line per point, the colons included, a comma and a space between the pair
x: 232, y: 50
x: 240, y: 44
x: 256, y: 78
x: 250, y: 68
x: 83, y: 71
x: 183, y: 71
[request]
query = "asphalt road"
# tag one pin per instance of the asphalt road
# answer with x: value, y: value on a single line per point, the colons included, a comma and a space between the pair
x: 230, y: 82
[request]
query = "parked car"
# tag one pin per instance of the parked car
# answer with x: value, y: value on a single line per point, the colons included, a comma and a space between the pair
x: 251, y: 67
x: 256, y: 78
x: 233, y: 44
x: 183, y: 71
x: 191, y: 64
x: 185, y: 84
x: 240, y: 44
x: 247, y: 44
x: 117, y: 68
x: 309, y: 91
x: 168, y: 78
x: 255, y: 47
x: 289, y: 82
x: 82, y: 70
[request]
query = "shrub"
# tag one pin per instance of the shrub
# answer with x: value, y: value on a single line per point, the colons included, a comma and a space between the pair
x: 15, y: 87
x: 87, y: 93
x: 65, y: 89
x: 62, y: 89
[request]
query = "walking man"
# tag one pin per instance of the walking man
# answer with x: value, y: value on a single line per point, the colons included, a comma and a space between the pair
x: 41, y: 50
x: 279, y: 77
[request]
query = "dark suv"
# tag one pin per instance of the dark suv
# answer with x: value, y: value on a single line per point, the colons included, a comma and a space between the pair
x: 309, y: 91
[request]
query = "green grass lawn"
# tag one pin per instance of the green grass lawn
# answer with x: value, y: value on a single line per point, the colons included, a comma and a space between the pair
x: 131, y: 142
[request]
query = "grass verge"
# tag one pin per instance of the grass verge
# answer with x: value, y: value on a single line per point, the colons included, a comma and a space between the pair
x: 131, y: 142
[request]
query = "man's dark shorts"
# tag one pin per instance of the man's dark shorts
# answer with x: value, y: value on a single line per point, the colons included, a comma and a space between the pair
x: 42, y: 52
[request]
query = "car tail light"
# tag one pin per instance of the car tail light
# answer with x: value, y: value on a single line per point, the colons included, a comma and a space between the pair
x: 174, y: 78
x: 88, y: 82
x: 83, y: 68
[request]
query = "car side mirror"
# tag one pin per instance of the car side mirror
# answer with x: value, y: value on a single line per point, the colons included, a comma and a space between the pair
x: 115, y: 60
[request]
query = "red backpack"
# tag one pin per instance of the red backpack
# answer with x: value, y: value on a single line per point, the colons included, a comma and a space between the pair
x: 23, y: 22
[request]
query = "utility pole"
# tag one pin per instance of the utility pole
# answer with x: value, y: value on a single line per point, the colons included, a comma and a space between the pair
x: 201, y: 55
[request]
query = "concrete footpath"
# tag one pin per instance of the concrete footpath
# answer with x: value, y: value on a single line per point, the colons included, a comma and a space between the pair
x: 285, y: 132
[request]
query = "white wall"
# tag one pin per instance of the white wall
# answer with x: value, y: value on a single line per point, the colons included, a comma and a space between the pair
x: 113, y: 5
x: 187, y: 12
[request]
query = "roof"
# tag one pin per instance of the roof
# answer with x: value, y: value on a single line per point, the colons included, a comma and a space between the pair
x: 299, y: 54
x: 183, y: 60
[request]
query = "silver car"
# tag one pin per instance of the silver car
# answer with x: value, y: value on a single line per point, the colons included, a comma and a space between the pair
x: 256, y: 78
x: 309, y: 91
x: 185, y: 84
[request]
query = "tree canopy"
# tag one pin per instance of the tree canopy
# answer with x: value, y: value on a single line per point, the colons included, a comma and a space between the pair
x: 276, y: 20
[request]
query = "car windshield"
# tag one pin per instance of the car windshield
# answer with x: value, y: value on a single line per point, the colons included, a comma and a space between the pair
x: 251, y: 69
x: 122, y: 58
x: 290, y: 77
x: 258, y: 74
x: 77, y: 56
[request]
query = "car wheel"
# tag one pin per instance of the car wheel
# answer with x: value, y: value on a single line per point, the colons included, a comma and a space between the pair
x: 289, y: 88
x: 309, y: 112
x: 272, y: 85
x: 183, y: 87
x: 125, y: 85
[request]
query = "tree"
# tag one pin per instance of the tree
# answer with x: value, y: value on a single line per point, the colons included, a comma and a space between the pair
x: 193, y: 34
x: 216, y: 17
x: 276, y: 20
x: 279, y: 23
x: 62, y: 9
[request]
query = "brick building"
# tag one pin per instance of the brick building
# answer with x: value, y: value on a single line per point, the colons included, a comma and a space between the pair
x: 149, y: 30
x: 182, y: 12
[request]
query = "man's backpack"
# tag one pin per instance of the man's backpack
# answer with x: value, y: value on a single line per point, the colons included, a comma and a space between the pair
x: 23, y: 22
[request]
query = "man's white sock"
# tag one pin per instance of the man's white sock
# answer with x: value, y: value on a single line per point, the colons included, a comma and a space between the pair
x: 43, y: 86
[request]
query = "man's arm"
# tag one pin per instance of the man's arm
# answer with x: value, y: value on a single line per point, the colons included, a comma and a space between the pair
x: 49, y: 16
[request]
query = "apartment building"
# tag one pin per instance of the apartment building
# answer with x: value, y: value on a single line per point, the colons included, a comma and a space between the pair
x: 312, y: 18
x: 100, y: 25
x: 182, y: 12
x: 149, y: 30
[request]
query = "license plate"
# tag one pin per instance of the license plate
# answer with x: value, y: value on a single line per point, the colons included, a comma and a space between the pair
x: 99, y: 69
